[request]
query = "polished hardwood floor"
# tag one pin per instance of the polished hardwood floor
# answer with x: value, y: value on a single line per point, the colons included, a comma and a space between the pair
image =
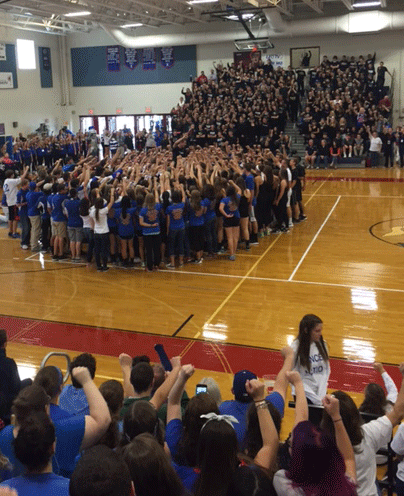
x: 345, y: 264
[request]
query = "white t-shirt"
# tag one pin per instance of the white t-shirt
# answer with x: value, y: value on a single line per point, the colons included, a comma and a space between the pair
x: 314, y: 382
x: 283, y: 486
x: 375, y: 435
x: 10, y: 188
x: 375, y: 144
x: 100, y: 225
x: 397, y: 445
x: 88, y: 222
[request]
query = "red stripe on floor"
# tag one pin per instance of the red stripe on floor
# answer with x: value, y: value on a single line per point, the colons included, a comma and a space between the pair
x: 345, y: 375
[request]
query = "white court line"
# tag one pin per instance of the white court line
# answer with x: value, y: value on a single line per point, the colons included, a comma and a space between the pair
x: 363, y: 196
x: 31, y: 256
x: 314, y: 239
x: 273, y: 279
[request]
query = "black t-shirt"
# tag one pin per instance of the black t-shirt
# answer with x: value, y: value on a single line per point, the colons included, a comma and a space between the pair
x: 310, y: 150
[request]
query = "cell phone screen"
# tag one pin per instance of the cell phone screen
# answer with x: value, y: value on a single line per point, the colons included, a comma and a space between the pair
x: 201, y: 388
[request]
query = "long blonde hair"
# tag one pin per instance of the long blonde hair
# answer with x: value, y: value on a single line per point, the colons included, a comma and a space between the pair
x: 149, y: 201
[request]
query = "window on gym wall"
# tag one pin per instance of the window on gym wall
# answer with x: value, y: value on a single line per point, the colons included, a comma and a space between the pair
x: 26, y: 54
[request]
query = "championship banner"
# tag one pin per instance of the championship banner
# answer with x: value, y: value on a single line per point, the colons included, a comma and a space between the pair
x: 113, y: 59
x: 167, y: 57
x: 277, y: 61
x: 6, y: 80
x: 131, y: 58
x: 46, y: 59
x: 3, y: 51
x: 149, y: 59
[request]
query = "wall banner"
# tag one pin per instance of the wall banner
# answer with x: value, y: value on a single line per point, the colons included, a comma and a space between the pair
x: 113, y: 59
x: 131, y: 58
x: 6, y: 80
x: 167, y: 57
x: 46, y: 59
x: 3, y: 51
x: 149, y: 59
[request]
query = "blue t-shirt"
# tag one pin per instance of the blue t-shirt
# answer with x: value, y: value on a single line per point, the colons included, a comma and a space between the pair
x: 6, y: 448
x: 69, y: 436
x: 72, y: 206
x: 126, y: 226
x: 176, y: 214
x: 111, y: 219
x: 230, y: 207
x: 22, y: 198
x: 32, y: 200
x: 39, y: 485
x: 187, y: 474
x: 57, y: 208
x: 210, y: 209
x: 73, y: 401
x: 239, y: 410
x: 151, y: 216
x: 43, y: 206
x: 249, y: 181
x: 195, y: 218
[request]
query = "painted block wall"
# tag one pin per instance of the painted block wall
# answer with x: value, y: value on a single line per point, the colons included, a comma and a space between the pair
x: 29, y: 104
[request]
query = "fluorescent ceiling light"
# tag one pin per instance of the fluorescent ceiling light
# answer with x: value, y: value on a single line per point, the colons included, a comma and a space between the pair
x: 364, y: 5
x: 193, y: 2
x: 245, y: 17
x: 77, y: 14
x: 135, y: 25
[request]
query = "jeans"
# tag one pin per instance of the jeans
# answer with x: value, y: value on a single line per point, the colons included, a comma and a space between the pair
x: 324, y: 160
x: 374, y: 159
x: 101, y: 248
x: 176, y: 239
x: 399, y: 487
x: 152, y: 243
x: 25, y: 230
x: 89, y: 236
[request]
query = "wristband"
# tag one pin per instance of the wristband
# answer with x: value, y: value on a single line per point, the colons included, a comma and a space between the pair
x: 261, y: 406
x: 259, y: 401
x: 335, y: 421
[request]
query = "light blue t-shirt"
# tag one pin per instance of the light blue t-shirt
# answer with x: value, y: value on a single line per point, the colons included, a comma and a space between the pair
x: 39, y: 485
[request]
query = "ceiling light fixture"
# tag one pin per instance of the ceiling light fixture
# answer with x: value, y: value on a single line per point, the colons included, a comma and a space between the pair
x: 245, y: 17
x: 193, y: 2
x: 78, y: 14
x: 135, y: 25
x: 364, y: 5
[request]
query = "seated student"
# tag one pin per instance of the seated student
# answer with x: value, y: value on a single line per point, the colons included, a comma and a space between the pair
x: 100, y: 472
x: 10, y: 382
x: 322, y: 154
x: 138, y: 382
x: 150, y: 468
x: 319, y: 465
x: 112, y: 392
x: 72, y: 399
x: 34, y: 447
x: 310, y: 156
x: 242, y: 400
x: 74, y: 433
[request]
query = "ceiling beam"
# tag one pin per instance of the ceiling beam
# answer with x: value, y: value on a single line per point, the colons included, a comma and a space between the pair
x: 168, y: 11
x: 284, y: 7
x: 348, y: 4
x: 315, y: 5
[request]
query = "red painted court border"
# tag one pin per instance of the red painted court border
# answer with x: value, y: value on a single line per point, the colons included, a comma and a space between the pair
x: 218, y: 357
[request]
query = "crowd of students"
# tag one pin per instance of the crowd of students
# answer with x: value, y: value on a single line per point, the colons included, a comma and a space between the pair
x: 347, y: 105
x: 145, y: 208
x: 147, y: 436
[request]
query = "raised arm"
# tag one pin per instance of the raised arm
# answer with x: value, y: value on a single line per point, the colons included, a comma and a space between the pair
x: 397, y: 414
x: 331, y: 406
x: 388, y: 382
x: 266, y: 456
x: 301, y: 408
x: 175, y: 395
x: 161, y: 394
x: 125, y: 361
x: 96, y: 424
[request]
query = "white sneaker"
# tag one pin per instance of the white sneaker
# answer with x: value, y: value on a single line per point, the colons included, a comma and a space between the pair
x: 24, y: 247
x: 290, y: 224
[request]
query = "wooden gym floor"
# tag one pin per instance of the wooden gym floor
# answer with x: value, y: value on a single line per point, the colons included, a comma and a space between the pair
x: 345, y: 264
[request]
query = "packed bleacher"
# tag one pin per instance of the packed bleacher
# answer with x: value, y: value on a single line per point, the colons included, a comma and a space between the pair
x: 150, y: 431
